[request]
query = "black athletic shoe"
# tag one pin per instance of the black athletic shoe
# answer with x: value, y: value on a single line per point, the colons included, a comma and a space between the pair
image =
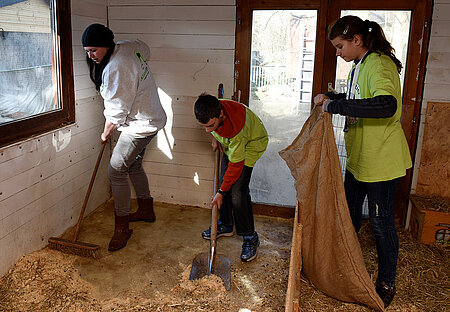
x: 222, y: 230
x: 385, y: 292
x: 249, y: 247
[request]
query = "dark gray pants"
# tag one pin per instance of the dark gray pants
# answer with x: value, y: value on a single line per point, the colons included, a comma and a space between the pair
x: 126, y: 162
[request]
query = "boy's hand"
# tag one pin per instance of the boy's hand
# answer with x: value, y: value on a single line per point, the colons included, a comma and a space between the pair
x: 217, y: 200
x: 216, y: 145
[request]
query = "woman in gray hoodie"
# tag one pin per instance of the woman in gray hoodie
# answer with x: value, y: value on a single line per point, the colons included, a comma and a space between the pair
x: 132, y: 106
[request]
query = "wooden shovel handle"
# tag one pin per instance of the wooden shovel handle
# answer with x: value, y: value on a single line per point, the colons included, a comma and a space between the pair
x: 215, y: 209
x: 216, y: 171
x: 214, y: 223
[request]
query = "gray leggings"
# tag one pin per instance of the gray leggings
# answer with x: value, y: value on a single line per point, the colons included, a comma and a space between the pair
x: 126, y: 161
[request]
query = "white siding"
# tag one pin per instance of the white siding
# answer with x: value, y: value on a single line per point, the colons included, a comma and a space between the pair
x: 44, y: 179
x: 192, y: 51
x: 437, y: 76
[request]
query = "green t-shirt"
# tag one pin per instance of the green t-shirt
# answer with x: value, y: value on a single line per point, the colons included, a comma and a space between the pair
x: 249, y: 143
x: 376, y: 147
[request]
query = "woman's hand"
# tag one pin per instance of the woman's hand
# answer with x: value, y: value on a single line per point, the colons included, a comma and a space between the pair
x: 109, y: 127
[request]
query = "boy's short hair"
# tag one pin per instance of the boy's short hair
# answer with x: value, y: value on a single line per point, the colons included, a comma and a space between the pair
x: 207, y: 107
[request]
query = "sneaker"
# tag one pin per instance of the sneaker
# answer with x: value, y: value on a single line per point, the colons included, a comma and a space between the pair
x: 249, y: 247
x: 385, y: 292
x: 222, y: 230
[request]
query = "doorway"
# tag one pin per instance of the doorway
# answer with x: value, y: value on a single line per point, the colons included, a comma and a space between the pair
x: 283, y: 59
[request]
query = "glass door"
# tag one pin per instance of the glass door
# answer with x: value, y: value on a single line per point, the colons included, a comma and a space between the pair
x: 281, y: 79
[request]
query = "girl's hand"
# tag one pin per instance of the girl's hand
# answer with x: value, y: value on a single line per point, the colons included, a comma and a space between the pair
x: 319, y: 98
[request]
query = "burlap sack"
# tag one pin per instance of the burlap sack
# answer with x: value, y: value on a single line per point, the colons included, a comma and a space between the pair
x: 331, y: 255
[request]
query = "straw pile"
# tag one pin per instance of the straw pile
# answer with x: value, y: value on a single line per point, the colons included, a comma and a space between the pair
x: 423, y: 277
x: 432, y: 203
x: 48, y: 281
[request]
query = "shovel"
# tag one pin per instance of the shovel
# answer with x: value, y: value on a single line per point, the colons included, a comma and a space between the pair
x: 210, y: 263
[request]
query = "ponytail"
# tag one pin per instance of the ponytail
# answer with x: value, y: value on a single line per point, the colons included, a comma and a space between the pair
x: 372, y: 35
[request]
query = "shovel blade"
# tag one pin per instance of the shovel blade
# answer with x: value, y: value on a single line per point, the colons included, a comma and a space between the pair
x: 221, y: 267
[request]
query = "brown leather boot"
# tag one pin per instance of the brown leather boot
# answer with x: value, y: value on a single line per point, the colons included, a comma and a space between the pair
x: 145, y: 211
x: 121, y: 234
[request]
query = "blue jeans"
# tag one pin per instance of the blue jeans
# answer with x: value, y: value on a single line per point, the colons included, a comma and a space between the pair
x: 126, y: 161
x: 381, y: 203
x: 237, y: 204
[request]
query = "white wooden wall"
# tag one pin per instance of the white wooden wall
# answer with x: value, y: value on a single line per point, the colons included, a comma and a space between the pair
x: 44, y: 179
x: 437, y: 77
x: 192, y: 51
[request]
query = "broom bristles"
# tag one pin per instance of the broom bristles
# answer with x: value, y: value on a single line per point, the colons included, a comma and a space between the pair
x: 75, y: 248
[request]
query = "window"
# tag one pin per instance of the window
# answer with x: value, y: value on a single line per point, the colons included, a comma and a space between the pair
x: 36, y: 75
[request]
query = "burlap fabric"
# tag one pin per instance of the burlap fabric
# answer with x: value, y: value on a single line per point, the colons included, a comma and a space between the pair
x: 331, y: 255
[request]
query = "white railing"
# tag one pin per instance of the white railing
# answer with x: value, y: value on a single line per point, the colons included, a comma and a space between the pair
x: 268, y: 75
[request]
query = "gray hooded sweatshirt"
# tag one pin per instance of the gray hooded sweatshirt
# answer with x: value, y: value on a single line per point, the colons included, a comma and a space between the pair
x: 129, y: 91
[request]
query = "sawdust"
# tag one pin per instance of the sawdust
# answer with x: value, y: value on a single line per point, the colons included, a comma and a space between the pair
x: 44, y: 280
x: 47, y: 280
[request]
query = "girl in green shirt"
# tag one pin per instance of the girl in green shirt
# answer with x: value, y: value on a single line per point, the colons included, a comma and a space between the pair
x: 377, y: 151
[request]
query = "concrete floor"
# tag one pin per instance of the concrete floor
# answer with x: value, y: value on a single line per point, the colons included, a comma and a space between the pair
x: 157, y: 253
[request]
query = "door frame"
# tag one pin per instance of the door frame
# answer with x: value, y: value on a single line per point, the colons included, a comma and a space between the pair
x: 328, y: 11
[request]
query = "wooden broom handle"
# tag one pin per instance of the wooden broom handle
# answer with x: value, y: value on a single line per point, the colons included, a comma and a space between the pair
x: 88, y: 193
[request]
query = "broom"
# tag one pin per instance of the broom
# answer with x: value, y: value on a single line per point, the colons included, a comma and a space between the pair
x: 73, y: 246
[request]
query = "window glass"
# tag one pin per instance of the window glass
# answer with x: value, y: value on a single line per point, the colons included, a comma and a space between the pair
x: 27, y: 61
x: 281, y: 80
x: 36, y: 68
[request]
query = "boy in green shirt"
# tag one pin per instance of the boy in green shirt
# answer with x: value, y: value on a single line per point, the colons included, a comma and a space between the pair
x: 242, y: 137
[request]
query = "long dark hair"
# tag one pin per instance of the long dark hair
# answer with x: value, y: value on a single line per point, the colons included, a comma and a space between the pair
x: 372, y: 35
x: 96, y: 70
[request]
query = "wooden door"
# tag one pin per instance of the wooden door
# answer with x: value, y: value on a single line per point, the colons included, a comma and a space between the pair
x: 325, y: 61
x: 277, y: 43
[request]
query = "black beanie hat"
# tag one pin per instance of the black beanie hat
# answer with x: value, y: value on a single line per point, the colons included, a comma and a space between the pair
x: 97, y: 35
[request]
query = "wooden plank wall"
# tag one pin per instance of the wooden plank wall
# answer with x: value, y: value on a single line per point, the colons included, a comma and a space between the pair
x: 28, y: 16
x: 437, y: 77
x: 435, y: 155
x: 44, y: 179
x: 192, y: 51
